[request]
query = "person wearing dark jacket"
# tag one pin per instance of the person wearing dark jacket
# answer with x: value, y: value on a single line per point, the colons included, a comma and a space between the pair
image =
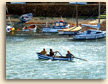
x: 51, y: 53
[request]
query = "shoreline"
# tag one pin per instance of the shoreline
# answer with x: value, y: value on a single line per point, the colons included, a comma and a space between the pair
x: 41, y: 22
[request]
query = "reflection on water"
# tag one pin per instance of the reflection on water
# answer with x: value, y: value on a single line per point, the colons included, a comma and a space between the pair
x: 22, y: 61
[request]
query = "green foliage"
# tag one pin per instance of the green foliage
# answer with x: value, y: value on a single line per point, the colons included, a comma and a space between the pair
x: 103, y: 16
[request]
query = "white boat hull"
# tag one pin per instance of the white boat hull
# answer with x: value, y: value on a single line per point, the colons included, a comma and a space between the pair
x: 50, y: 30
x: 66, y: 33
x: 102, y: 34
x: 57, y: 26
x: 31, y: 28
x: 27, y: 30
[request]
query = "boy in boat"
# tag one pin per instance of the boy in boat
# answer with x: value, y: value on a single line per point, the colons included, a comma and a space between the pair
x: 43, y: 52
x: 69, y: 55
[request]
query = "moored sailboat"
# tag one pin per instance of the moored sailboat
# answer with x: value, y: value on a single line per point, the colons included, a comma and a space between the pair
x: 73, y: 30
x: 91, y: 34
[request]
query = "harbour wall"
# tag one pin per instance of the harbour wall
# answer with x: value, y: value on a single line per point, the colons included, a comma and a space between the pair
x: 55, y: 10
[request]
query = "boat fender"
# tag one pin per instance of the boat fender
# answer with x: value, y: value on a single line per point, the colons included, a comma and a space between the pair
x: 12, y: 29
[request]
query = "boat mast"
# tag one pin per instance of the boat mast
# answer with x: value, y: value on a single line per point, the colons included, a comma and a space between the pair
x: 76, y: 14
x: 99, y: 12
x: 99, y: 15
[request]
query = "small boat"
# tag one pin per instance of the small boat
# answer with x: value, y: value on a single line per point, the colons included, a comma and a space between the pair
x: 57, y: 26
x: 70, y: 31
x: 25, y: 17
x: 61, y: 58
x: 90, y: 34
x: 9, y: 28
x: 31, y: 28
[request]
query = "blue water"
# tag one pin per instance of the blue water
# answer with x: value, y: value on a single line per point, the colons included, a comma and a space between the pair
x: 23, y: 63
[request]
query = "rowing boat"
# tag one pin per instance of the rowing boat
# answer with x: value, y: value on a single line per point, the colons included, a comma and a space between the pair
x: 61, y: 58
x: 31, y: 28
x: 25, y: 17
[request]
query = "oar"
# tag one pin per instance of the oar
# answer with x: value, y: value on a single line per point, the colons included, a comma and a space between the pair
x: 80, y: 58
x: 54, y: 56
x: 59, y: 53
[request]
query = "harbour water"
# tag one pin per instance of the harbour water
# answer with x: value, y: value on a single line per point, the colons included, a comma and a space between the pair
x: 23, y: 63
